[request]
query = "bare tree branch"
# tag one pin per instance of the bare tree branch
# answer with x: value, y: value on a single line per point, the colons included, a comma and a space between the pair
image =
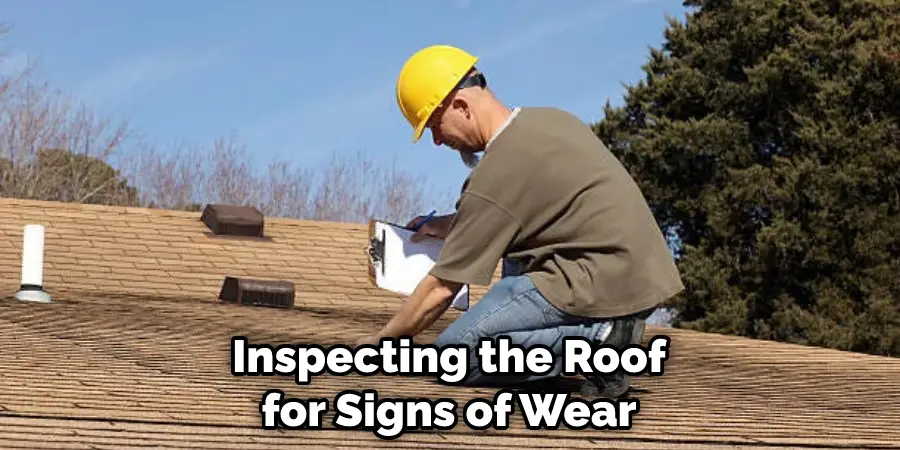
x: 52, y: 148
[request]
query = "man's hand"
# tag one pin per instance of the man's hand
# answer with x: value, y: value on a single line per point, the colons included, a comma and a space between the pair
x: 427, y: 303
x: 370, y: 340
x: 437, y: 227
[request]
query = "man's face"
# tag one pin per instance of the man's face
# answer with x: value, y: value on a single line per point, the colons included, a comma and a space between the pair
x: 454, y: 126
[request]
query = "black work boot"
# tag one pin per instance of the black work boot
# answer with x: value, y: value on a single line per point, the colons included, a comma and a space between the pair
x: 625, y: 331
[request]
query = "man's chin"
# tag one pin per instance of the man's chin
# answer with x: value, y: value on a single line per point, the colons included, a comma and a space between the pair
x: 469, y: 158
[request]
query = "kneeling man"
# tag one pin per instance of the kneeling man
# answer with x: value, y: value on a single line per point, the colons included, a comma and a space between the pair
x: 582, y: 254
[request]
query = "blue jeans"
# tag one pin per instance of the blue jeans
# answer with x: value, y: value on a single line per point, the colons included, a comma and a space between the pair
x: 514, y: 307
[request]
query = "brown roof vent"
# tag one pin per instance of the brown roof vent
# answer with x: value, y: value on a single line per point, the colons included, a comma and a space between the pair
x: 244, y: 291
x: 233, y: 220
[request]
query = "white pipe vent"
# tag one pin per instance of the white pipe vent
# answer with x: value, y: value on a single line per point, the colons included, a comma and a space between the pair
x: 32, y: 285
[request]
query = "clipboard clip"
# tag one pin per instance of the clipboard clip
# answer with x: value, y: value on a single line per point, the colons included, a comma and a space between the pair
x: 375, y: 250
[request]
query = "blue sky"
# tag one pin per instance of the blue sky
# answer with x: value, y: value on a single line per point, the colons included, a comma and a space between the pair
x: 299, y: 80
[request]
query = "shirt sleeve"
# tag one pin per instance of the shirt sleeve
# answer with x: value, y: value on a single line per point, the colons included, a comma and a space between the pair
x: 477, y: 240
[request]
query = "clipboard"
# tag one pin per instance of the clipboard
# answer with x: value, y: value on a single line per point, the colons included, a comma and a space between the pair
x: 397, y: 264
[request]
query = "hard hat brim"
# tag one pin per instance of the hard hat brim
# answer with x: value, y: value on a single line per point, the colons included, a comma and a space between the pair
x: 417, y: 133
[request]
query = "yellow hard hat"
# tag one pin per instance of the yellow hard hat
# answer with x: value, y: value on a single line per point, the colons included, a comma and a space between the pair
x: 426, y: 79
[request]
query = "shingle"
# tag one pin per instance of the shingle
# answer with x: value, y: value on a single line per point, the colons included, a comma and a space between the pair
x: 134, y: 351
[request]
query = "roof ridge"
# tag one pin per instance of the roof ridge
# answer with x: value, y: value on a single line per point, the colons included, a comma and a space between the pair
x: 157, y: 212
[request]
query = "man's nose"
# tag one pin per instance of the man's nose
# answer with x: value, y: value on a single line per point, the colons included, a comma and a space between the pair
x: 436, y: 137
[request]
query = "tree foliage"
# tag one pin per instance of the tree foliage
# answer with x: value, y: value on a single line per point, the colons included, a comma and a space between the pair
x: 64, y: 176
x: 765, y: 136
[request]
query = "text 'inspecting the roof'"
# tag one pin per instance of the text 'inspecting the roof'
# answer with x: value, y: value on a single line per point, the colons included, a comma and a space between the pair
x: 389, y: 418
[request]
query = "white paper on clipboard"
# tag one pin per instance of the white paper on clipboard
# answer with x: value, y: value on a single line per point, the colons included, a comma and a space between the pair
x: 401, y: 264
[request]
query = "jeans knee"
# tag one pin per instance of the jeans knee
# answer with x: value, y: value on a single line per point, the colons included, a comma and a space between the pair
x: 455, y: 336
x: 444, y: 340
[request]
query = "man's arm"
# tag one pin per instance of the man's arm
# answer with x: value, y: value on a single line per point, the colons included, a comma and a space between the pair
x: 427, y: 303
x: 438, y: 227
x: 475, y: 245
x: 443, y: 223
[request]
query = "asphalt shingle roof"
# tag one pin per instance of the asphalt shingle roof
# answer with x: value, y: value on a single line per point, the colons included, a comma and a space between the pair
x: 134, y: 351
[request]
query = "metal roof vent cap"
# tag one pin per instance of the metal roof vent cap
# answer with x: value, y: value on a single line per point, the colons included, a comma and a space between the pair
x: 31, y: 288
x: 233, y: 220
x: 255, y: 292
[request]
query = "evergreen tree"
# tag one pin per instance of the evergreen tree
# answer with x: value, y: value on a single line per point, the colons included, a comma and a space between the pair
x: 765, y: 137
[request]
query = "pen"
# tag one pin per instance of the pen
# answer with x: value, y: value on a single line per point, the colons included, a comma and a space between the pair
x: 425, y: 220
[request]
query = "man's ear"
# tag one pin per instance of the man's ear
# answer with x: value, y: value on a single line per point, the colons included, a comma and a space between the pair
x: 460, y: 104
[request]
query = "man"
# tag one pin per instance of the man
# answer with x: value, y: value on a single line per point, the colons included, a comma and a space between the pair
x: 582, y: 253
